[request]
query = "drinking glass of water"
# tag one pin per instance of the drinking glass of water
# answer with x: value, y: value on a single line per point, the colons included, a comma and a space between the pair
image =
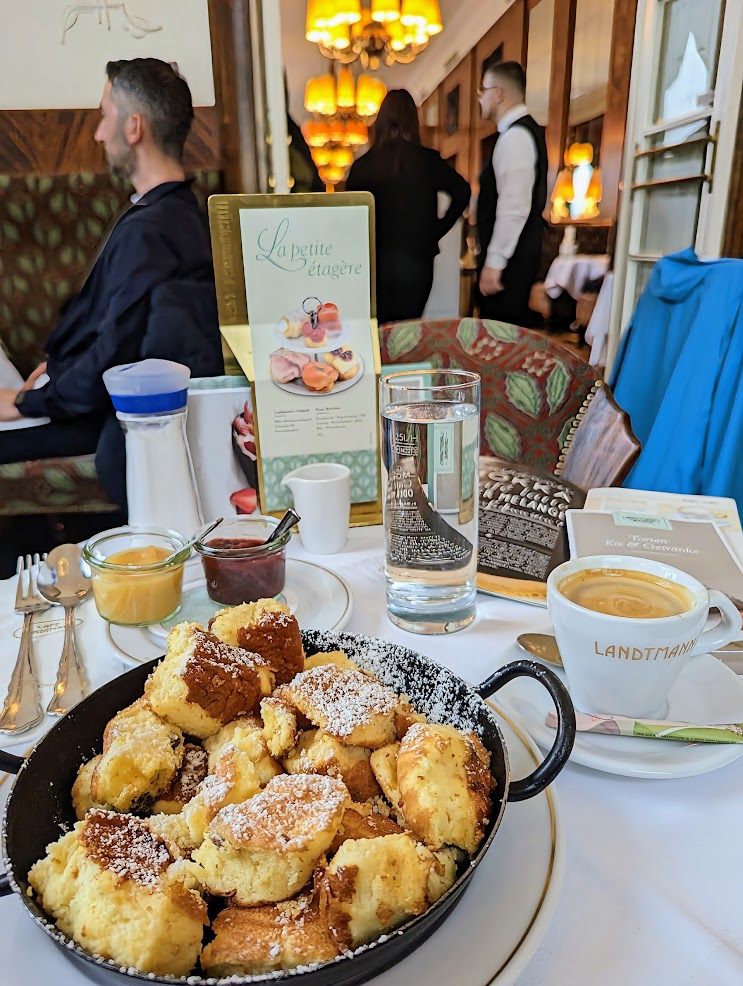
x: 430, y: 449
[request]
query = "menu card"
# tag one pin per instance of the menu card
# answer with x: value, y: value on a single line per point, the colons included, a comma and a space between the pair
x: 521, y: 528
x: 694, y: 546
x: 308, y: 341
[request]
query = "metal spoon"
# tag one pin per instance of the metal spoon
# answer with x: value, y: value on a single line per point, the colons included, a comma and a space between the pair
x: 290, y: 518
x: 199, y: 537
x: 541, y: 645
x: 68, y: 589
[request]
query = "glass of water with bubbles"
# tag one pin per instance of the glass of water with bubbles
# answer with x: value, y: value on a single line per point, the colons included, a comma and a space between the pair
x: 430, y: 447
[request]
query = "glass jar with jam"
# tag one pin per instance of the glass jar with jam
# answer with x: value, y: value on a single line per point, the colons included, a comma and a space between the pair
x: 134, y: 583
x: 239, y: 566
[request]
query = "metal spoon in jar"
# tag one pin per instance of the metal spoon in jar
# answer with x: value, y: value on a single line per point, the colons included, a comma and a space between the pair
x: 290, y: 518
x: 189, y: 544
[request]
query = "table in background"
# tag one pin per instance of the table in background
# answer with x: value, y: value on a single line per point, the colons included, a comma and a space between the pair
x: 652, y: 884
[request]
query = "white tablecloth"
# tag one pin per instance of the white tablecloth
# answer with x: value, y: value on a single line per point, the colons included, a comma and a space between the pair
x: 571, y: 273
x: 653, y: 877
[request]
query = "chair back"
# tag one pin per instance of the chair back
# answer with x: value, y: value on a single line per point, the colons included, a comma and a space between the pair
x: 601, y: 448
x: 532, y: 388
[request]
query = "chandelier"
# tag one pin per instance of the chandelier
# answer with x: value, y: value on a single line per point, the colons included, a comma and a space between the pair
x: 389, y: 30
x: 343, y: 109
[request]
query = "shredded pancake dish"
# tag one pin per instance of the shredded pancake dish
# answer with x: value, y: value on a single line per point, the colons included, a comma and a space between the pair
x: 259, y: 810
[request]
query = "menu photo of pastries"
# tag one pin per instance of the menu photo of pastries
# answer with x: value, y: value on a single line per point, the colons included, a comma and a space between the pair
x: 315, y: 326
x: 306, y: 375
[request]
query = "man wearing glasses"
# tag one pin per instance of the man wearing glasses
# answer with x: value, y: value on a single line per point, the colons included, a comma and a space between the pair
x: 513, y: 194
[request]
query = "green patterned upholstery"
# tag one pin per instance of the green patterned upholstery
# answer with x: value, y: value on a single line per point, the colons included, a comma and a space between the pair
x: 532, y: 389
x: 50, y: 227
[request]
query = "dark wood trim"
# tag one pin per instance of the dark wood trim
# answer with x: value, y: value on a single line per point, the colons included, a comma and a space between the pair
x: 60, y: 142
x: 617, y: 99
x: 232, y: 59
x: 561, y: 73
x: 732, y: 245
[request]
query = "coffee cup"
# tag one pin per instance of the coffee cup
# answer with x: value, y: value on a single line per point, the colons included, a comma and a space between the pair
x: 626, y: 628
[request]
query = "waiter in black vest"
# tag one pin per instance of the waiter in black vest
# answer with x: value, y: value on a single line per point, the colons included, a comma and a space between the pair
x: 513, y: 194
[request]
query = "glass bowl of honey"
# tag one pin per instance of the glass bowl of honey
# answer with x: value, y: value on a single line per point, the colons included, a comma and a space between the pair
x: 137, y: 574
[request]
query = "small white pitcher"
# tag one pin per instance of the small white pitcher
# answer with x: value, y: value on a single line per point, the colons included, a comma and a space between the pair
x: 322, y: 498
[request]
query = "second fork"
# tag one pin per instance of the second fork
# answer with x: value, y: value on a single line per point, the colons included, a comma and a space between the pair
x: 22, y: 708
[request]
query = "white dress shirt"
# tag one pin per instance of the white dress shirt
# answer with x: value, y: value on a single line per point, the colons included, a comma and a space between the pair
x: 515, y: 166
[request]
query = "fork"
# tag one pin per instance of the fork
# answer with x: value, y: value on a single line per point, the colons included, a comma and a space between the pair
x: 22, y: 707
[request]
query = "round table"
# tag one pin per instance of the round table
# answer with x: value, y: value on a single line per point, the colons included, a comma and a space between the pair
x: 651, y: 892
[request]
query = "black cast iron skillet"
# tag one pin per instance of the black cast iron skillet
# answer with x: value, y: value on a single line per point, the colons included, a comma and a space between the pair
x: 39, y: 805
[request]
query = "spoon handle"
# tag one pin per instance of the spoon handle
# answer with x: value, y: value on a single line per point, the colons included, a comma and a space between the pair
x: 71, y: 686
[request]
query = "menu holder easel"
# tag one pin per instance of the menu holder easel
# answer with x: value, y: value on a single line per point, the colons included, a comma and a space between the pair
x: 295, y: 279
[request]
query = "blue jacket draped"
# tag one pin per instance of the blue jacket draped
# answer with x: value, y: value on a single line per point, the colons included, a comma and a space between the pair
x: 677, y: 374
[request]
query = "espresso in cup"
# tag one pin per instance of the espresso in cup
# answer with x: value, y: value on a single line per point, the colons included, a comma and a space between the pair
x: 626, y: 628
x: 624, y: 592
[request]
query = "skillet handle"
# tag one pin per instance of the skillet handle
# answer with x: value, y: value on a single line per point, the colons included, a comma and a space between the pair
x: 558, y: 756
x: 11, y: 765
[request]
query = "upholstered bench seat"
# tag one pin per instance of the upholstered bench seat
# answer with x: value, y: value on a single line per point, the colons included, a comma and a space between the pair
x: 49, y: 486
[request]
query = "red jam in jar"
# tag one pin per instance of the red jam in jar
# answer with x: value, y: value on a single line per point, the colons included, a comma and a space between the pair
x: 241, y: 569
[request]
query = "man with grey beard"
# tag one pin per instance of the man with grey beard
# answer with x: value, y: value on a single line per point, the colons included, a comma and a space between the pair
x: 162, y: 237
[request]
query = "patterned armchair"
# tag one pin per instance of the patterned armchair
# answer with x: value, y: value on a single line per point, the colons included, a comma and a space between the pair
x: 50, y: 228
x: 532, y: 389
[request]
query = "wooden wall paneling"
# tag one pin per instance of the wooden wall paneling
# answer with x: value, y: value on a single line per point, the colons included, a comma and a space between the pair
x: 509, y: 31
x: 232, y: 60
x: 733, y: 238
x: 456, y: 87
x: 60, y: 142
x: 617, y: 98
x: 561, y: 74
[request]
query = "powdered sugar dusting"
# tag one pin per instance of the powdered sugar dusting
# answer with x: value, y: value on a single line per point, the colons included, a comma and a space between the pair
x: 432, y: 689
x: 290, y: 811
x: 343, y: 699
x: 122, y: 844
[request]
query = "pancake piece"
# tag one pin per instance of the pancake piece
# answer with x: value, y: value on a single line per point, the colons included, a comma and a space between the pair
x: 141, y: 756
x: 186, y: 782
x: 383, y: 763
x: 354, y: 707
x: 373, y: 885
x: 445, y: 785
x: 331, y: 657
x: 265, y: 849
x: 360, y: 821
x: 277, y: 639
x: 225, y: 623
x: 82, y: 799
x: 279, y: 726
x: 254, y: 940
x: 113, y: 887
x: 203, y: 683
x: 319, y: 753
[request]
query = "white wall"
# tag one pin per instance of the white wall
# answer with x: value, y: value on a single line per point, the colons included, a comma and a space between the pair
x: 38, y: 70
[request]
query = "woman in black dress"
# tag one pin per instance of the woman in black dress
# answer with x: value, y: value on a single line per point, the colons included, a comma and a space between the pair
x: 405, y: 178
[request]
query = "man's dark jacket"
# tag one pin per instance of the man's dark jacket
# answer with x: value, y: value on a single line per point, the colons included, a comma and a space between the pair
x: 163, y: 238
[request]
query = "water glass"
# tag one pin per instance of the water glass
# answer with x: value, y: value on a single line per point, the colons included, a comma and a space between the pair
x: 430, y: 448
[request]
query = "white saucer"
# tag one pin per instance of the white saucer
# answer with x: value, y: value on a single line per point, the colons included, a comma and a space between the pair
x: 488, y: 938
x: 320, y: 600
x: 706, y: 692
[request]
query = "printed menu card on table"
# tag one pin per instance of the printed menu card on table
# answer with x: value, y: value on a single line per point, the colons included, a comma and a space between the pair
x: 295, y: 283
